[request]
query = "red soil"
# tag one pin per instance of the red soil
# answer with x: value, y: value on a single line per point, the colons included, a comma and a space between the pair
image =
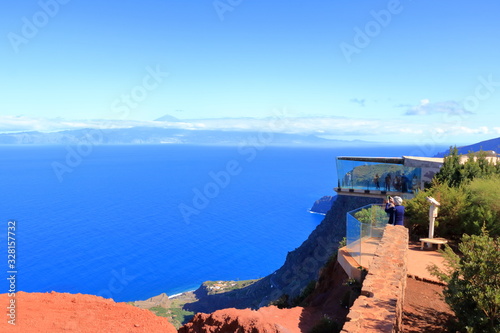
x: 57, y: 312
x: 268, y: 319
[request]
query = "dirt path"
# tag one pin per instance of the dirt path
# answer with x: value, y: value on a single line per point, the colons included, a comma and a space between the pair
x: 425, y: 309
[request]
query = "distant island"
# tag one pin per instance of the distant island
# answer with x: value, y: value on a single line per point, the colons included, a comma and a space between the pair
x: 487, y: 145
x: 159, y: 135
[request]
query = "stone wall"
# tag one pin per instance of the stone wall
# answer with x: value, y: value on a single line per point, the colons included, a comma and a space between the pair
x: 380, y: 306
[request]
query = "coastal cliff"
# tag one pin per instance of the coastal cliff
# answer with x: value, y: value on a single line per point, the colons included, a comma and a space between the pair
x: 301, y: 266
x: 323, y: 205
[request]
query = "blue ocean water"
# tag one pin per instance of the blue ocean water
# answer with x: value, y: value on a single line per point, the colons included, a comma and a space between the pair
x: 130, y: 222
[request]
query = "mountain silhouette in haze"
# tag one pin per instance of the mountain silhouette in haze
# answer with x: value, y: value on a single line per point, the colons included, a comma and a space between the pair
x: 169, y: 118
x: 492, y: 144
x: 160, y: 135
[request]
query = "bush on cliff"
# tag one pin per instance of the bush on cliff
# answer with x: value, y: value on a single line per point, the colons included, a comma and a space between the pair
x: 484, y: 206
x: 473, y: 282
x: 308, y: 290
x: 284, y: 301
x: 464, y: 209
x: 450, y: 223
x: 468, y: 193
x: 326, y: 325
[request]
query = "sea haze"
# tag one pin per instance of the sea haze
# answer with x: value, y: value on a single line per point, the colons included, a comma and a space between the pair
x: 111, y: 223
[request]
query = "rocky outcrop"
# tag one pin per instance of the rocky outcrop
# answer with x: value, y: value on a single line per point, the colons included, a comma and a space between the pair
x: 160, y: 300
x: 268, y: 319
x: 301, y: 266
x: 323, y: 205
x: 61, y: 312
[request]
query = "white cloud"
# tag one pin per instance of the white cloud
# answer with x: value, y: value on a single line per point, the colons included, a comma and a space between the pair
x: 24, y: 124
x: 410, y: 131
x: 401, y: 129
x: 464, y: 130
x: 470, y: 130
x: 359, y: 101
x: 427, y: 108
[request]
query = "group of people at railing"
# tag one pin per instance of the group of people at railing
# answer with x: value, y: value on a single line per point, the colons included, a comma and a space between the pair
x: 400, y: 182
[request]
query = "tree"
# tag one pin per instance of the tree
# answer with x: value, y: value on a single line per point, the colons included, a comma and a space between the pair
x: 449, y: 173
x: 473, y: 282
x: 454, y: 174
x: 470, y: 169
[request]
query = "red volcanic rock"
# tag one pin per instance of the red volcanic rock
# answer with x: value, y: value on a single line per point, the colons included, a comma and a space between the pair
x: 58, y: 312
x: 265, y: 320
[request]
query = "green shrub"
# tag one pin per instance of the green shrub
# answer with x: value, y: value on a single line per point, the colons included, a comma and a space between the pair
x: 333, y: 258
x: 343, y: 242
x: 450, y: 220
x: 464, y: 209
x: 176, y: 316
x: 374, y: 215
x: 282, y: 302
x: 473, y: 282
x: 326, y: 325
x: 353, y: 293
x: 308, y: 290
x: 483, y: 206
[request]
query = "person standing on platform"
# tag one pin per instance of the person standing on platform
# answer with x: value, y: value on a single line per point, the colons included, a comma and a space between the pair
x: 388, y: 181
x: 394, y: 207
x: 414, y: 183
x: 376, y: 180
x: 404, y: 182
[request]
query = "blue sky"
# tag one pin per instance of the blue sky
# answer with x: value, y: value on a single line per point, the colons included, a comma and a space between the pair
x: 396, y: 71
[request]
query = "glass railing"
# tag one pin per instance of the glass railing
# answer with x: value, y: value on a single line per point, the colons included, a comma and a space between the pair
x: 377, y: 177
x: 365, y: 228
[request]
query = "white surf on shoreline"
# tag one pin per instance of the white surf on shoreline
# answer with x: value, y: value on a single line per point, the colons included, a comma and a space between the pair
x: 180, y: 294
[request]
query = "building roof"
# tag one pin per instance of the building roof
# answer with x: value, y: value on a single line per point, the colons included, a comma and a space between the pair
x: 425, y: 159
x: 405, y: 160
x: 392, y: 160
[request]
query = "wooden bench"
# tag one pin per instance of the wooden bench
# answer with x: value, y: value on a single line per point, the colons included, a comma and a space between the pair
x: 438, y: 241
